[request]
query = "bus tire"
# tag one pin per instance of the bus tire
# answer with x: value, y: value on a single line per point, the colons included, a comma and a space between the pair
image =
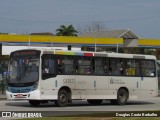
x: 95, y: 102
x: 122, y: 96
x: 63, y: 98
x: 34, y: 102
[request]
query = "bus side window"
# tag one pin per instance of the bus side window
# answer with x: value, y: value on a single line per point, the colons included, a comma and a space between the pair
x: 48, y: 68
x: 83, y: 65
x: 116, y: 67
x: 110, y: 71
x: 65, y: 65
x: 132, y: 67
x: 148, y: 68
x: 100, y: 66
x: 60, y: 66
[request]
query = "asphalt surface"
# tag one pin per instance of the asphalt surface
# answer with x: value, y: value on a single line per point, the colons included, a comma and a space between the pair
x: 136, y: 105
x: 78, y: 107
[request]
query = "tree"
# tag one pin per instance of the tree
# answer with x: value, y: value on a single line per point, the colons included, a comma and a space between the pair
x: 92, y: 27
x: 66, y: 31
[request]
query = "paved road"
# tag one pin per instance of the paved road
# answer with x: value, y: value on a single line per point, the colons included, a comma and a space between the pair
x: 81, y: 107
x: 136, y: 105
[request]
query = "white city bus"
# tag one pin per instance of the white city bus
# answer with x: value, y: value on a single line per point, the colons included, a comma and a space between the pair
x: 40, y: 76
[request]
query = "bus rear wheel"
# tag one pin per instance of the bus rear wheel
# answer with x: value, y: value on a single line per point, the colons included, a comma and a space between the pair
x: 34, y: 102
x: 122, y: 97
x: 95, y: 102
x: 63, y: 98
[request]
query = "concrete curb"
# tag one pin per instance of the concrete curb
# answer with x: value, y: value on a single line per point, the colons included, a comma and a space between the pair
x: 2, y: 97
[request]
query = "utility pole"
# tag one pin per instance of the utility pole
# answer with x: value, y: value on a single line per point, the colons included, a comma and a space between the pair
x: 29, y: 41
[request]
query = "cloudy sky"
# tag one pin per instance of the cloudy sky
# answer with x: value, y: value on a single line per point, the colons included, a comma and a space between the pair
x: 27, y: 16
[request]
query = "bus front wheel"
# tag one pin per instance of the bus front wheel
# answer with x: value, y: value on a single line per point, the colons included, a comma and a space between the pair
x: 63, y: 98
x: 34, y: 102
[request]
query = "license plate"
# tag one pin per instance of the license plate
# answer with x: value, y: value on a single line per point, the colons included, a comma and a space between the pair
x: 19, y: 95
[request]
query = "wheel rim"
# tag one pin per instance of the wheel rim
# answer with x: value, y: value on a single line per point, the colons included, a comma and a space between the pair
x: 122, y: 97
x: 62, y: 98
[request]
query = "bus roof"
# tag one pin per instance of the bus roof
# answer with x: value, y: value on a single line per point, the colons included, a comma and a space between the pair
x: 96, y: 54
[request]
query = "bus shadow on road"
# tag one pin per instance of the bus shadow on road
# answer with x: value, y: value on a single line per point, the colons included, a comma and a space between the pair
x: 107, y: 103
x: 139, y: 103
x: 75, y: 104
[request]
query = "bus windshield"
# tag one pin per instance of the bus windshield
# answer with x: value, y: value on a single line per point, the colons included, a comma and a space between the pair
x: 23, y: 69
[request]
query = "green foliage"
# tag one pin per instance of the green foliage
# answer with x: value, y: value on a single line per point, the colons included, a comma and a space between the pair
x: 66, y: 31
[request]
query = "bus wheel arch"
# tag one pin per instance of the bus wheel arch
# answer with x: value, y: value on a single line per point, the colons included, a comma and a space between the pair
x: 64, y: 96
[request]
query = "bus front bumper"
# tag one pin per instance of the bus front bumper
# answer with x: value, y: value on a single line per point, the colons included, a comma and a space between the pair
x: 24, y: 96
